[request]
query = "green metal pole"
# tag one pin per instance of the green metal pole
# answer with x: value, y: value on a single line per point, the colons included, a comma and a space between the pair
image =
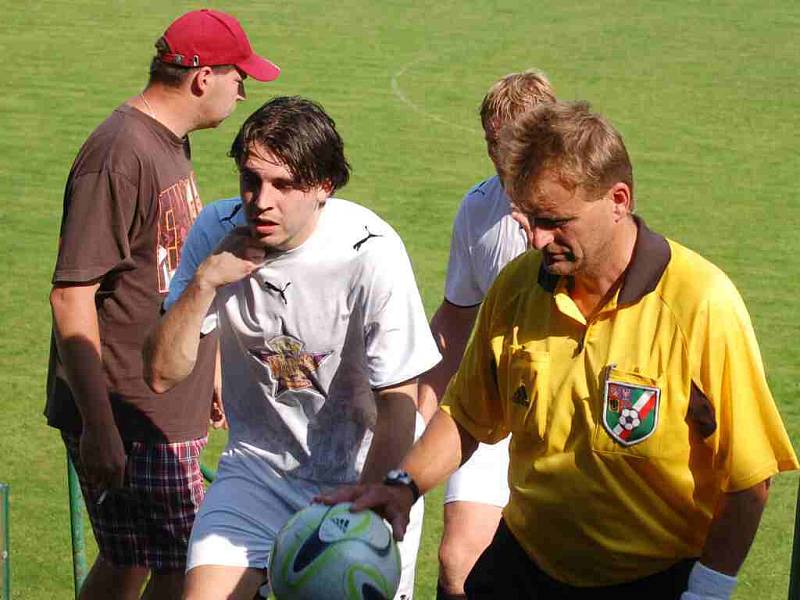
x: 794, y: 573
x: 5, y: 541
x: 79, y: 570
x: 208, y: 473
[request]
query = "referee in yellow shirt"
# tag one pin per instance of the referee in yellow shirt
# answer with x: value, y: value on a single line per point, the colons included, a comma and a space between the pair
x: 625, y: 368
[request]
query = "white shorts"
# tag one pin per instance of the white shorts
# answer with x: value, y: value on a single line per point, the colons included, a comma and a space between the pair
x: 483, y: 478
x: 243, y: 511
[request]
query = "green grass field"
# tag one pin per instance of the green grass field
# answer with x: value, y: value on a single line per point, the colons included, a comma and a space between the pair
x: 705, y: 92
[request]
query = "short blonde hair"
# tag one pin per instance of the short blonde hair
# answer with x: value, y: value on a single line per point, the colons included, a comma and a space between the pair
x: 582, y: 147
x: 512, y: 95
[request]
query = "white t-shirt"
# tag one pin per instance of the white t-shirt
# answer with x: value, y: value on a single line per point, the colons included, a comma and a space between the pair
x: 307, y: 338
x: 485, y: 239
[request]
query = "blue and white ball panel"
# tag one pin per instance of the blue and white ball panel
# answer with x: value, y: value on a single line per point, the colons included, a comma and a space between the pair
x: 329, y: 552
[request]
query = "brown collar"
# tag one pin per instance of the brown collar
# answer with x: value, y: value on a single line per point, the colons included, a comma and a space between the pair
x: 651, y: 255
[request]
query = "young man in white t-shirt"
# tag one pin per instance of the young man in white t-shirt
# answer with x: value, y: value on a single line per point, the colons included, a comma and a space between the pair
x: 487, y: 234
x: 322, y: 337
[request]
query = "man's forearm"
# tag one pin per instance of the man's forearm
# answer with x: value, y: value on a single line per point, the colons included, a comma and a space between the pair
x: 441, y: 450
x: 394, y: 431
x: 78, y: 340
x: 733, y: 528
x: 438, y: 453
x: 171, y: 350
x: 75, y: 323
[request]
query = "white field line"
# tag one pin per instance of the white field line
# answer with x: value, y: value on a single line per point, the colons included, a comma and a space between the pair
x: 398, y: 92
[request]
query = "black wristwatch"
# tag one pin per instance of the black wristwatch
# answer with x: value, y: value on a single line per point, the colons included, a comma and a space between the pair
x: 398, y: 477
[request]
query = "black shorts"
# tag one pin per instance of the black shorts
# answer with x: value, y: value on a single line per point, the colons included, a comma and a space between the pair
x: 505, y: 570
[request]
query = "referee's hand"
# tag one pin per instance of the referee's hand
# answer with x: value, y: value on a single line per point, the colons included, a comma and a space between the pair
x: 393, y: 503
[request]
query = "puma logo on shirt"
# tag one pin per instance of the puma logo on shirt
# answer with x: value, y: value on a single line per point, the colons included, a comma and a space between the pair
x: 274, y: 288
x: 358, y: 244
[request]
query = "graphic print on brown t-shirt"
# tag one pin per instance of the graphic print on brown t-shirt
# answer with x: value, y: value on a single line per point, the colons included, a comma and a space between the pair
x: 178, y: 207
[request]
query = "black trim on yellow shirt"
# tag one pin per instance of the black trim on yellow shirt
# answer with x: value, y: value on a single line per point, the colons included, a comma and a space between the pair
x: 651, y: 255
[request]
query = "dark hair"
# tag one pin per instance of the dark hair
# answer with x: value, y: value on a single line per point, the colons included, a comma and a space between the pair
x: 300, y: 134
x: 165, y: 73
x: 171, y: 75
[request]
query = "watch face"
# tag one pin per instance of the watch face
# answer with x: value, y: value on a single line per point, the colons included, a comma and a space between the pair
x: 396, y: 475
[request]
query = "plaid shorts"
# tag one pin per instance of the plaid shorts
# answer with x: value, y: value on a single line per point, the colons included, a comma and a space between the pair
x: 147, y: 522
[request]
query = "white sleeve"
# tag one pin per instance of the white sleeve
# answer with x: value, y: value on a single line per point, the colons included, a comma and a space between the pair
x: 193, y: 253
x: 460, y: 286
x: 207, y: 231
x: 398, y: 340
x: 205, y: 234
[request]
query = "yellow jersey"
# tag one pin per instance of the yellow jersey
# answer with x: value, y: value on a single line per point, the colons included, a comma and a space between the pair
x: 628, y: 427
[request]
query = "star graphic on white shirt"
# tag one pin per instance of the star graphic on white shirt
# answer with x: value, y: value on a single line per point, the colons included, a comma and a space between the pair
x: 291, y: 367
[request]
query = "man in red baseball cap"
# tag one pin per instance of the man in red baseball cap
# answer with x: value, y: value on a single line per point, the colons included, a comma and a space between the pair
x: 129, y: 201
x: 212, y: 38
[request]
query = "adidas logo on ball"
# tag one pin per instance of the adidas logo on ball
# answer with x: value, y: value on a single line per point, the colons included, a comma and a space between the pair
x: 334, y: 528
x: 342, y: 523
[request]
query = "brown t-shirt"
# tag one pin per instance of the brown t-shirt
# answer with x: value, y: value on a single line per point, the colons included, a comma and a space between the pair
x: 129, y: 202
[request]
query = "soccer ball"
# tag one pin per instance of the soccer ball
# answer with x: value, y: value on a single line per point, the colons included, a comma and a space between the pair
x: 629, y: 419
x: 327, y: 552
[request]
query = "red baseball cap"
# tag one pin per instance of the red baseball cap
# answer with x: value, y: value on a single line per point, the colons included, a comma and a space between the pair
x: 207, y: 38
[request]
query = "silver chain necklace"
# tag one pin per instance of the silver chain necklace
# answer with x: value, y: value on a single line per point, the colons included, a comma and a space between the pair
x: 149, y: 108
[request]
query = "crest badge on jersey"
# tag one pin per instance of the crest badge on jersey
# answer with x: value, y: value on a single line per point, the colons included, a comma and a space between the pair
x: 292, y: 367
x: 630, y: 411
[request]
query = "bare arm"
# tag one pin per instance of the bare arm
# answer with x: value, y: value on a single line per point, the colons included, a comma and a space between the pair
x: 733, y: 528
x: 78, y: 340
x: 451, y: 326
x: 217, y: 416
x: 441, y: 449
x: 732, y: 531
x: 171, y: 350
x: 394, y: 430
